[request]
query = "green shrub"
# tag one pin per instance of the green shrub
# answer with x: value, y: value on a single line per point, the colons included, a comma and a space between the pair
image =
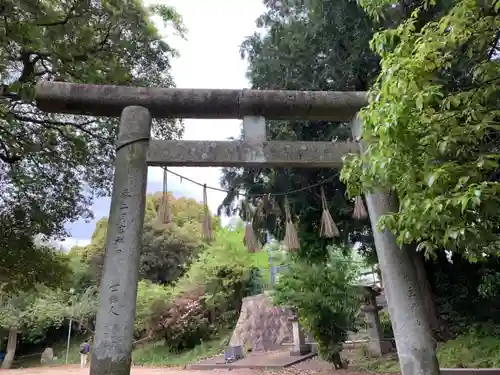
x: 208, y: 298
x: 255, y: 284
x: 186, y: 321
x: 479, y: 348
x: 325, y: 298
x: 386, y: 326
x: 152, y: 300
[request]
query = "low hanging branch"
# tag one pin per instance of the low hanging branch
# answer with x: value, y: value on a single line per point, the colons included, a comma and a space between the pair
x: 291, y: 240
x: 208, y: 234
x: 164, y: 213
x: 360, y: 212
x: 250, y: 239
x: 328, y: 228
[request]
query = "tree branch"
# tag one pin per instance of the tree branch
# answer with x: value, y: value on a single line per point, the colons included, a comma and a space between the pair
x: 64, y: 21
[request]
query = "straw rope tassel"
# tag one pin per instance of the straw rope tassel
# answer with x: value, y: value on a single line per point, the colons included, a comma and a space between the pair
x: 291, y: 240
x: 164, y: 213
x: 328, y: 227
x: 360, y: 212
x: 207, y: 220
x: 250, y: 240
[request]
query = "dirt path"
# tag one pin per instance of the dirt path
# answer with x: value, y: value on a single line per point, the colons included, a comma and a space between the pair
x: 302, y: 369
x: 75, y: 370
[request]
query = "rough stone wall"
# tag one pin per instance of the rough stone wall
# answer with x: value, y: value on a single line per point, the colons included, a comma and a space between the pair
x: 262, y: 326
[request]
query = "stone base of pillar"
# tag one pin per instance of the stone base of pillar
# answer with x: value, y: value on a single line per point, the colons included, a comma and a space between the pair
x: 301, y: 350
x: 314, y: 348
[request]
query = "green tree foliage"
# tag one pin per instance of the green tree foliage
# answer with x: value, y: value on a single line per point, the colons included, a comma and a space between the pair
x: 467, y: 293
x: 221, y: 269
x: 81, y: 307
x: 323, y: 45
x: 30, y: 314
x: 432, y: 126
x: 81, y: 276
x: 389, y: 14
x: 24, y: 264
x: 183, y: 210
x: 52, y: 166
x: 167, y: 249
x: 208, y: 297
x: 46, y: 159
x: 326, y: 299
x: 152, y: 300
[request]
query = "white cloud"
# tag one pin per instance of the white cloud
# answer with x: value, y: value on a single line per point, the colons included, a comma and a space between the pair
x: 70, y: 242
x: 209, y: 58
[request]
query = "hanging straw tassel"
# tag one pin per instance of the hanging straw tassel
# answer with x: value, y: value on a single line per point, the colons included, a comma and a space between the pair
x: 250, y: 240
x: 164, y: 213
x: 291, y: 240
x: 207, y: 220
x: 359, y: 209
x: 328, y: 227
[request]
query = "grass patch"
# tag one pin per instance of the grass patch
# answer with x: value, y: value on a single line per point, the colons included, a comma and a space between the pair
x: 157, y: 354
x: 360, y: 361
x: 33, y: 360
x: 73, y: 354
x: 469, y: 350
x: 152, y: 354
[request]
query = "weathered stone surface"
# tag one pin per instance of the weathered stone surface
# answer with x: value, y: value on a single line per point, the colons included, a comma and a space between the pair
x: 247, y: 154
x: 261, y: 325
x: 415, y: 344
x: 107, y: 100
x: 114, y: 333
x: 47, y: 356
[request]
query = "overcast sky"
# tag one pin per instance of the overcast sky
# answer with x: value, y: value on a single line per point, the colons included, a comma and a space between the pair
x: 209, y: 58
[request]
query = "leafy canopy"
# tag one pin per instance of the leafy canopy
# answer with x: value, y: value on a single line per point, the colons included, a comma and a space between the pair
x: 51, y: 166
x: 314, y: 45
x: 32, y: 313
x: 25, y: 264
x: 432, y: 129
x: 167, y: 249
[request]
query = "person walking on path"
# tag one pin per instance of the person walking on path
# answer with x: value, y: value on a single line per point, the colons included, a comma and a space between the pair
x: 84, y: 353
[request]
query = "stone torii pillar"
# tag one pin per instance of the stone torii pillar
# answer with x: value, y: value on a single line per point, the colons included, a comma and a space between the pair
x: 112, y: 346
x: 115, y: 318
x: 414, y: 342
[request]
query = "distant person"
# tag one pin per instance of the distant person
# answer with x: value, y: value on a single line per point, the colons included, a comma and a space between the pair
x: 84, y: 353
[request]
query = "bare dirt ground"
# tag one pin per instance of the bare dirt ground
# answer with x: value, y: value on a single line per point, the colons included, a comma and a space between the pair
x: 310, y: 367
x: 76, y: 370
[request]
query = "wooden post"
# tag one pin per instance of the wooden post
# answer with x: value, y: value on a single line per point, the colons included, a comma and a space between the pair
x: 414, y: 342
x: 112, y: 347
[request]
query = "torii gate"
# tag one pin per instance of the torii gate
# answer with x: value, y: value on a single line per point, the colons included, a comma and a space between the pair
x: 135, y: 152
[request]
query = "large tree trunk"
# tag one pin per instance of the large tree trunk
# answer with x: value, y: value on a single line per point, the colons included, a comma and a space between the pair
x: 437, y: 326
x: 11, y: 349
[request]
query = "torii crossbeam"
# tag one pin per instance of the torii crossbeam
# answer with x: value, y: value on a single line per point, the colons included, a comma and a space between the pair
x: 135, y: 151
